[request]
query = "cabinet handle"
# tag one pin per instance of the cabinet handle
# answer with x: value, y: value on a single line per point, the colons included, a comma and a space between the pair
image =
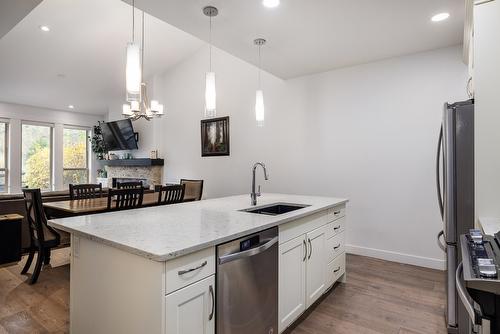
x: 336, y: 247
x: 336, y: 212
x: 336, y: 270
x: 305, y: 250
x: 336, y: 228
x: 311, y: 247
x: 182, y: 272
x: 211, y: 292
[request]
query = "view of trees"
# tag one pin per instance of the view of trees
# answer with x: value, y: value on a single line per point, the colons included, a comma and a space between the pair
x: 3, y: 138
x: 37, y: 155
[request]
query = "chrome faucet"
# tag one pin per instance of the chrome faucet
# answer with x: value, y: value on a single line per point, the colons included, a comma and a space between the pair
x: 254, y: 194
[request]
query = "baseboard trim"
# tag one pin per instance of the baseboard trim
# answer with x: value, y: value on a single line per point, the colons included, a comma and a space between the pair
x: 397, y: 257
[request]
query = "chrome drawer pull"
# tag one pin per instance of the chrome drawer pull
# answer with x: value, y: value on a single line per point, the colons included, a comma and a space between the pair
x: 305, y: 250
x: 336, y: 247
x: 311, y: 248
x: 336, y: 212
x: 336, y: 270
x: 182, y: 272
x: 336, y: 228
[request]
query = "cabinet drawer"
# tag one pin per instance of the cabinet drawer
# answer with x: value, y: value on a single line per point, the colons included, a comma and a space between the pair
x: 335, y: 269
x: 335, y: 246
x: 188, y: 269
x: 335, y: 227
x: 336, y: 212
x: 302, y: 226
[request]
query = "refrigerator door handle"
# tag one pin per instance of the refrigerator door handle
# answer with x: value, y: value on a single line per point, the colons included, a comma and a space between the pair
x: 441, y: 244
x: 438, y: 172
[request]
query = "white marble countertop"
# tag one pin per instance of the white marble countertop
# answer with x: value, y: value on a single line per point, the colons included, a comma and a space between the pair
x: 162, y: 233
x: 489, y: 225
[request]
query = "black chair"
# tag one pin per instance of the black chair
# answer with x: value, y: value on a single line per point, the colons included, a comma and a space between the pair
x: 123, y: 199
x: 43, y: 237
x: 85, y: 191
x: 194, y: 189
x: 171, y: 194
x: 129, y: 185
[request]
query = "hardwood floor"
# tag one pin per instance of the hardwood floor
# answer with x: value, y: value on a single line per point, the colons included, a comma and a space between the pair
x: 379, y: 297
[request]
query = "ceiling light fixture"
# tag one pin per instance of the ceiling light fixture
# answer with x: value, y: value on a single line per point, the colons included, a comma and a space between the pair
x: 259, y: 95
x: 440, y: 17
x: 271, y: 3
x: 139, y: 105
x: 210, y: 92
x: 44, y: 28
x: 133, y: 73
x: 71, y: 106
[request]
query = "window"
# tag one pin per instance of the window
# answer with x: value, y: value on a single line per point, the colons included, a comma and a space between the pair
x: 4, y: 128
x: 36, y: 156
x: 75, y: 156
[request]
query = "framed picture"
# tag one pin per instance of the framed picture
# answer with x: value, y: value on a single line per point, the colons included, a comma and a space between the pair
x: 215, y: 137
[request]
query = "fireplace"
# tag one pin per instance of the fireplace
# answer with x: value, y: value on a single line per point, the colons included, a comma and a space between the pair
x: 145, y: 182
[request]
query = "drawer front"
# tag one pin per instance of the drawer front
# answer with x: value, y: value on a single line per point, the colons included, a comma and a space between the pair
x: 188, y: 269
x: 335, y: 227
x: 335, y: 269
x: 336, y: 212
x: 302, y: 226
x: 335, y: 246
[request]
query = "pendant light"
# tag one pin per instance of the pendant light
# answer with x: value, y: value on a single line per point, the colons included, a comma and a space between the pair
x: 259, y: 95
x: 133, y: 71
x: 141, y: 107
x: 210, y: 92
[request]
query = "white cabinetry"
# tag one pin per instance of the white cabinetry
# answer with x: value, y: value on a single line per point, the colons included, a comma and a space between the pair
x: 311, y: 259
x: 192, y: 309
x: 487, y: 110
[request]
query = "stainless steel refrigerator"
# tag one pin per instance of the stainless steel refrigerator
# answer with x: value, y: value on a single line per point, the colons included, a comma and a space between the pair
x: 455, y: 187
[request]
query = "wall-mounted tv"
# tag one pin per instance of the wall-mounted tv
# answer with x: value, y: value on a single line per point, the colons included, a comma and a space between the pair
x: 119, y: 135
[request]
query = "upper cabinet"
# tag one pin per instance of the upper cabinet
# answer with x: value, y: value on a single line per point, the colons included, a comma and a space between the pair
x: 487, y: 110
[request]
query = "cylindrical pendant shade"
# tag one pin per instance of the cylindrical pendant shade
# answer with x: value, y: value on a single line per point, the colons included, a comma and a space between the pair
x: 133, y: 72
x: 259, y: 107
x: 210, y: 95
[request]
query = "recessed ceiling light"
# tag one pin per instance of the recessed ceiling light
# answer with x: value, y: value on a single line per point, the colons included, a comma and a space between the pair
x: 271, y: 3
x: 440, y: 17
x: 71, y: 106
x: 44, y: 28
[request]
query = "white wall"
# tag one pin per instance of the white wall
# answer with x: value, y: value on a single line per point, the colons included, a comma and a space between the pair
x: 372, y: 133
x: 367, y: 132
x: 278, y: 143
x: 16, y: 113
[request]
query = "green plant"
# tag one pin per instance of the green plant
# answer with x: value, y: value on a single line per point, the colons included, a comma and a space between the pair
x: 97, y: 142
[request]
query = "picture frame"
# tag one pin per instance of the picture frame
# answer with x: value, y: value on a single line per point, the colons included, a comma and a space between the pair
x: 215, y: 137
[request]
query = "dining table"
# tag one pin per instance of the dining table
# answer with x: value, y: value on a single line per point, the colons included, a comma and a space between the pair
x: 79, y: 207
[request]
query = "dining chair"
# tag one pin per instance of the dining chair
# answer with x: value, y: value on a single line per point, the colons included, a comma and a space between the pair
x: 122, y: 199
x: 85, y: 191
x: 194, y: 189
x: 43, y: 237
x: 171, y: 194
x: 129, y: 185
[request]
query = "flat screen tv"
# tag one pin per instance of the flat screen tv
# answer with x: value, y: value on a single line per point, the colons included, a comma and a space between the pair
x: 119, y: 135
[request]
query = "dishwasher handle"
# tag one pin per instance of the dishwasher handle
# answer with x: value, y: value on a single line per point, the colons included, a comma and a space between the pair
x: 251, y: 252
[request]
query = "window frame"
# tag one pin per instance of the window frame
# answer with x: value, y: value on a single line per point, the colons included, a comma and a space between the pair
x: 87, y: 152
x: 51, y: 126
x: 5, y: 169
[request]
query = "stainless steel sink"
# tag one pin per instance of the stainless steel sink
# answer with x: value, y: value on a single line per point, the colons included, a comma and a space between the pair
x: 275, y: 208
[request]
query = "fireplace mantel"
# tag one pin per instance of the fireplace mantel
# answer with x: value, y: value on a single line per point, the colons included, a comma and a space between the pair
x: 134, y: 162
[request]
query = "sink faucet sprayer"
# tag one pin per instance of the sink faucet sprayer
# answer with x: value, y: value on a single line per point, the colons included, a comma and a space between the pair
x: 254, y: 194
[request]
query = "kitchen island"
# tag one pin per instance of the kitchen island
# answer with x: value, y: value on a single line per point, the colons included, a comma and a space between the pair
x: 152, y: 270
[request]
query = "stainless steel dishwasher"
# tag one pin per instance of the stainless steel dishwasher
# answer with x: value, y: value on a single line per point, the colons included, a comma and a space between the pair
x: 247, y: 285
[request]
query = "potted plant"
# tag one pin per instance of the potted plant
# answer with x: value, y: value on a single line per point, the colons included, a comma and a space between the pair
x: 97, y: 142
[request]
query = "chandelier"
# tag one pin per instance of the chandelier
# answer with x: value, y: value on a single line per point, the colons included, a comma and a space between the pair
x: 138, y: 105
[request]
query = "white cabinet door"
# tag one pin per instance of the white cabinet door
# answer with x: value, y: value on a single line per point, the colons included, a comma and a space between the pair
x: 316, y: 265
x: 192, y: 309
x: 292, y: 281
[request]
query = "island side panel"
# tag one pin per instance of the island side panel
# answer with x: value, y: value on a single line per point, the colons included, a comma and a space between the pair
x: 113, y: 291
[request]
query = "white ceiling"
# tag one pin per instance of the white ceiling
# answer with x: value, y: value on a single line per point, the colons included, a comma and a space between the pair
x: 310, y: 36
x: 81, y: 61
